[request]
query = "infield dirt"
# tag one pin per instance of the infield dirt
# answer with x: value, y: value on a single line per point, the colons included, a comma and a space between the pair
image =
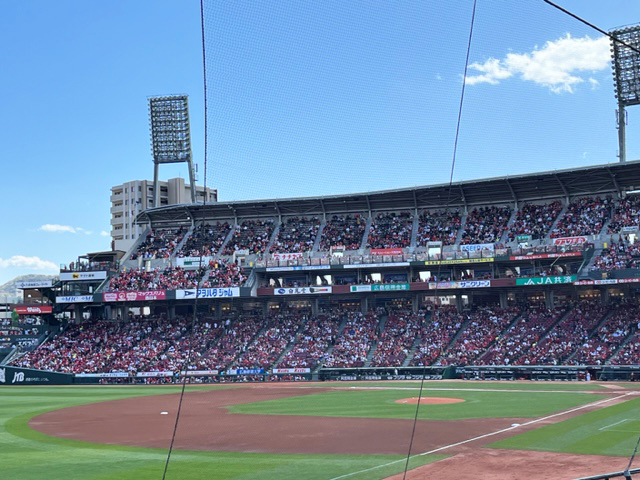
x: 205, y: 424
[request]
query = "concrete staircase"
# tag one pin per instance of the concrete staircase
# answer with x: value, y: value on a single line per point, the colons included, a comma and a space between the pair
x: 365, y: 235
x: 414, y: 232
x: 505, y: 236
x: 555, y: 222
x: 374, y: 344
x: 463, y: 223
x: 316, y: 243
x: 343, y: 323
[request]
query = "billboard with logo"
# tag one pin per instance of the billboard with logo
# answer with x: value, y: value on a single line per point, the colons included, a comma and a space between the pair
x: 29, y: 376
x: 208, y: 293
x: 33, y: 309
x: 82, y: 276
x: 301, y: 291
x: 134, y: 296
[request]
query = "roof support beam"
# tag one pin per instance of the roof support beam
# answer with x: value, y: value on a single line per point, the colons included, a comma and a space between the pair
x: 564, y: 189
x: 615, y: 182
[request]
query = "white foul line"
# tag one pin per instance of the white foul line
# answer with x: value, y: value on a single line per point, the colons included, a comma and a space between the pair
x: 479, y: 437
x: 613, y: 424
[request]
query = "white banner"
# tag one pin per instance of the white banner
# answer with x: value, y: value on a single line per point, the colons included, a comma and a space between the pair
x: 359, y: 288
x: 103, y: 375
x: 208, y: 293
x: 569, y: 241
x: 476, y: 247
x: 193, y: 373
x: 278, y: 371
x: 287, y: 256
x: 376, y: 265
x: 298, y: 267
x: 301, y: 291
x: 75, y: 299
x: 67, y: 276
x: 192, y: 262
x: 154, y: 374
x: 34, y: 284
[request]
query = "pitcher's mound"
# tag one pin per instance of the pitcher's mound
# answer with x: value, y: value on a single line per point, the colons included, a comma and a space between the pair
x: 429, y: 400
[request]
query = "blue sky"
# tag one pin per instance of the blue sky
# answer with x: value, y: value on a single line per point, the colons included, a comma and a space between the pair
x: 305, y: 98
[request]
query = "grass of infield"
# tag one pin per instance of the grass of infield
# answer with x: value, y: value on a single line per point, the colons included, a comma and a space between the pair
x: 612, y: 430
x: 29, y: 455
x: 378, y: 403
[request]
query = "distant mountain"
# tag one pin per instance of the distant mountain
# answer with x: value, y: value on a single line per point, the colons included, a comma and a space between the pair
x: 9, y: 293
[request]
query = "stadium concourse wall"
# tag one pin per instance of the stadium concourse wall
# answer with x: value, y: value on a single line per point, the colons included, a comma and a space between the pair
x: 25, y: 376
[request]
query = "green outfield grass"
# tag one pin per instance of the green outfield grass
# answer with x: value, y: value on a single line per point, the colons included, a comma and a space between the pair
x: 612, y: 430
x: 28, y: 455
x: 381, y: 404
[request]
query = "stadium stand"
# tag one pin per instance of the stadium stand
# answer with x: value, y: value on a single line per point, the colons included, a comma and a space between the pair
x: 160, y: 243
x: 535, y: 220
x: 390, y: 230
x: 296, y: 234
x: 205, y: 240
x: 585, y: 216
x: 485, y: 225
x: 439, y: 225
x: 251, y: 235
x: 343, y: 231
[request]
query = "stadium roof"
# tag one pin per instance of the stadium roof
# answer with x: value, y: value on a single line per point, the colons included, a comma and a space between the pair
x: 612, y: 178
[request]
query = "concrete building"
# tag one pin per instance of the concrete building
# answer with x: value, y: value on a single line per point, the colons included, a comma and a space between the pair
x: 131, y: 198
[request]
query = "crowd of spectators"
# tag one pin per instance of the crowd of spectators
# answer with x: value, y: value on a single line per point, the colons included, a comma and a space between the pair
x: 566, y: 336
x: 296, y: 235
x: 629, y: 354
x: 585, y: 216
x: 535, y: 219
x: 485, y: 225
x: 313, y: 341
x: 205, y: 240
x: 397, y: 337
x: 390, y: 230
x: 101, y: 346
x: 279, y: 331
x: 626, y: 213
x: 523, y: 334
x: 220, y: 274
x: 580, y: 333
x: 343, y: 231
x: 438, y: 226
x: 234, y: 340
x: 618, y: 256
x: 609, y: 336
x: 251, y: 235
x: 129, y: 280
x: 483, y: 327
x: 355, y: 340
x: 160, y: 243
x: 436, y: 334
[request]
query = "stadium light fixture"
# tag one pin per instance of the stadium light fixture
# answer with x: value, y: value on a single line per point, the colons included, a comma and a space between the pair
x: 170, y: 137
x: 626, y: 76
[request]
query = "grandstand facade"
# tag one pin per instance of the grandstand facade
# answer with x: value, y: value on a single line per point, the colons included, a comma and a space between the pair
x: 532, y: 270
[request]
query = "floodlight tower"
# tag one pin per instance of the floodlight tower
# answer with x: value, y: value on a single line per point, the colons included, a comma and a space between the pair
x: 626, y: 75
x: 170, y: 137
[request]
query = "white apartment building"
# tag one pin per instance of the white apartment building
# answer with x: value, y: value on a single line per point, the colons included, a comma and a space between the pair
x: 131, y: 198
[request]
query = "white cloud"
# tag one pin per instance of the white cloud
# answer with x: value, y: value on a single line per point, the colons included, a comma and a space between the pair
x: 52, y: 227
x: 104, y: 233
x: 55, y: 228
x: 556, y: 65
x: 32, y: 263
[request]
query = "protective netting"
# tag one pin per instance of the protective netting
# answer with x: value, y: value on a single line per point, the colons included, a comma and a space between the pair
x: 319, y: 98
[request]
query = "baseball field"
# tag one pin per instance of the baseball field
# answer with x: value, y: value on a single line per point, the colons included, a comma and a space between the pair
x: 343, y: 430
